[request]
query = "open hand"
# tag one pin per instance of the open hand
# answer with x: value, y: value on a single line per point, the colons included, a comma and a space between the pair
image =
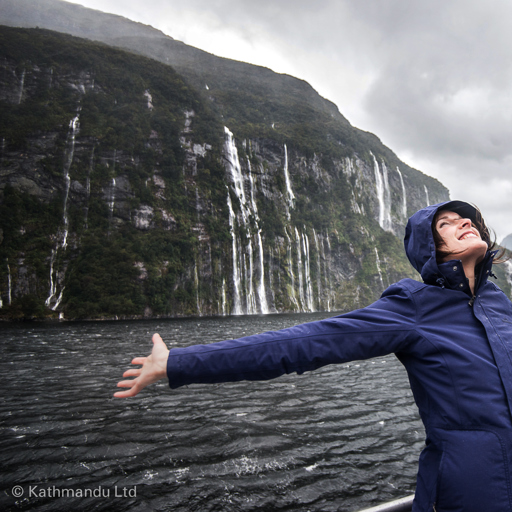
x: 154, y: 368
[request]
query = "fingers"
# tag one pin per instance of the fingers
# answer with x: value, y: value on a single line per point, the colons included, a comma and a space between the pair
x: 125, y: 394
x: 134, y: 390
x: 132, y: 373
x: 126, y: 383
x: 139, y: 360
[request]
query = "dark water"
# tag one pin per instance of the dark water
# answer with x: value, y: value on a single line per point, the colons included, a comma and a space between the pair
x: 339, y: 439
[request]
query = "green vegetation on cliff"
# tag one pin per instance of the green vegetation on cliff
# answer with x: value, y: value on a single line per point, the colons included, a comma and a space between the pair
x: 114, y: 186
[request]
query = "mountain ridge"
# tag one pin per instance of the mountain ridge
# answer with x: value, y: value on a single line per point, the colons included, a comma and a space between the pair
x: 195, y: 201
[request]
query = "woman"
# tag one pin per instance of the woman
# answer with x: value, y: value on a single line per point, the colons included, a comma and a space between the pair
x: 453, y: 334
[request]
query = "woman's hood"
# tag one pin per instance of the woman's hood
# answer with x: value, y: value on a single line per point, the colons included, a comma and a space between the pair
x: 419, y: 239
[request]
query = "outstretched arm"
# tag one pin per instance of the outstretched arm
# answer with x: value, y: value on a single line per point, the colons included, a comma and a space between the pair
x: 154, y: 368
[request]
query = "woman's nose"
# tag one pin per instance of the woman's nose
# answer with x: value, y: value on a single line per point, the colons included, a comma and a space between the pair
x: 465, y: 223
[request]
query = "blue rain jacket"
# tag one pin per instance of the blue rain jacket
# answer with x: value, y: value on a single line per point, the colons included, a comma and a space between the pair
x: 458, y: 356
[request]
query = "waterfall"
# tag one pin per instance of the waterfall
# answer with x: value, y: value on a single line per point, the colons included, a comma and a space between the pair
x: 289, y: 191
x: 9, y: 283
x: 261, y: 290
x: 318, y: 270
x: 59, y: 300
x: 224, y: 309
x: 196, y: 283
x: 404, y: 197
x: 328, y: 273
x: 22, y: 85
x: 149, y: 99
x: 249, y: 288
x: 52, y: 283
x: 426, y: 194
x: 251, y: 182
x: 380, y: 191
x: 236, y: 172
x: 112, y: 198
x: 293, y: 297
x: 256, y: 296
x: 378, y: 267
x: 262, y: 293
x: 237, y: 305
x: 299, y: 271
x: 307, y: 274
x: 88, y: 187
x: 383, y: 195
x: 387, y: 199
x: 70, y: 152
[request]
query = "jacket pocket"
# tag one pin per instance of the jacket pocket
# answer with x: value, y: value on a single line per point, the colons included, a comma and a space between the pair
x: 473, y: 474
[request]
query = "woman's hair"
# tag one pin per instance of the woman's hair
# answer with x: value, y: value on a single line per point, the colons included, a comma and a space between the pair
x: 488, y: 236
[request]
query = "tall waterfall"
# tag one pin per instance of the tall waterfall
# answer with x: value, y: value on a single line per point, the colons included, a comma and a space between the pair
x: 255, y: 295
x: 68, y: 160
x: 69, y: 152
x: 404, y: 196
x: 250, y: 308
x: 235, y: 171
x: 383, y: 195
x: 293, y: 297
x: 262, y: 293
x: 307, y: 274
x: 237, y: 303
x: 224, y: 308
x: 261, y: 289
x: 289, y: 191
x: 196, y: 284
x: 426, y: 194
x: 52, y: 282
x: 299, y: 271
x: 318, y: 269
x: 9, y: 283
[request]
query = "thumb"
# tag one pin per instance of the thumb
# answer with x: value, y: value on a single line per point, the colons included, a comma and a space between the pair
x: 157, y: 339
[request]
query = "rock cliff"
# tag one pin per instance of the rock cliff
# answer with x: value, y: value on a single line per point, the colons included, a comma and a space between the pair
x: 130, y: 188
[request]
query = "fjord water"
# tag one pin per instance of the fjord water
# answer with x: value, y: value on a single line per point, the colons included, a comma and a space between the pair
x: 342, y: 438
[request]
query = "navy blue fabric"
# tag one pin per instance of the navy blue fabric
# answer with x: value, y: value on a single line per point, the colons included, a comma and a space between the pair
x: 458, y: 358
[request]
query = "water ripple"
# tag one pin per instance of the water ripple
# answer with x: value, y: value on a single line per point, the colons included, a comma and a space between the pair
x: 342, y: 438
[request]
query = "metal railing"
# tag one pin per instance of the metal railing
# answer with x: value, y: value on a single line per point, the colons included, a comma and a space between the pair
x: 401, y: 505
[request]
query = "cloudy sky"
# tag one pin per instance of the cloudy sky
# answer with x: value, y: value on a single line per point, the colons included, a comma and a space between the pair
x: 433, y: 80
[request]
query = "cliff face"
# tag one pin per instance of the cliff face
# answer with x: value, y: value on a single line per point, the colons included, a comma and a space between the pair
x: 127, y: 191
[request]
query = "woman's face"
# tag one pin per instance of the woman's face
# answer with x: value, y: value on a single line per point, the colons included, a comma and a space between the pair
x: 461, y: 240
